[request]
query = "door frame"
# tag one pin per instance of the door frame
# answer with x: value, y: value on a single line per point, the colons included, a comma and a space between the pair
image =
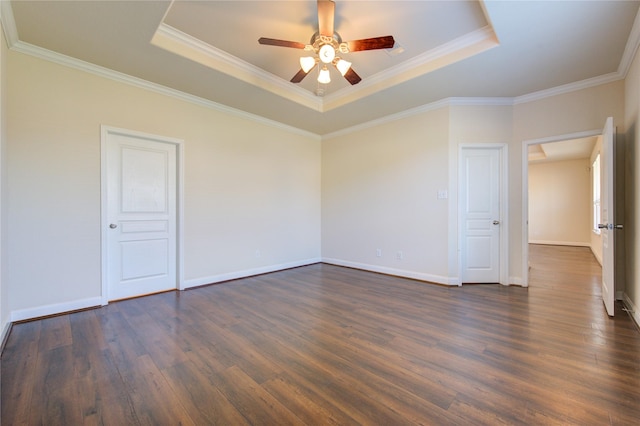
x: 503, y: 149
x: 525, y: 189
x: 105, y: 132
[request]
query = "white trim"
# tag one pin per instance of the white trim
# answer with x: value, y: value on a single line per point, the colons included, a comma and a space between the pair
x: 561, y: 243
x: 568, y: 88
x: 187, y: 46
x: 630, y: 48
x: 105, y: 131
x: 8, y: 23
x: 598, y: 257
x: 525, y: 189
x: 516, y: 281
x: 57, y: 308
x: 504, y: 206
x: 388, y: 119
x: 463, y: 47
x: 4, y: 334
x: 48, y: 55
x: 11, y: 35
x: 443, y: 103
x: 67, y: 61
x: 213, y: 279
x: 437, y: 279
x: 633, y: 309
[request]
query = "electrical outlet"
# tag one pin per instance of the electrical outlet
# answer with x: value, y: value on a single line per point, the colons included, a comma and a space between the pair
x: 399, y: 255
x: 378, y: 252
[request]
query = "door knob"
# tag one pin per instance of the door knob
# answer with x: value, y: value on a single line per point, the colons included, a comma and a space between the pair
x: 496, y: 222
x: 113, y: 226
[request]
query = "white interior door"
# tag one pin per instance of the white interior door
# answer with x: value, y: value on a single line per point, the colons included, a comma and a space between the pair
x: 140, y: 182
x: 480, y: 177
x: 607, y: 215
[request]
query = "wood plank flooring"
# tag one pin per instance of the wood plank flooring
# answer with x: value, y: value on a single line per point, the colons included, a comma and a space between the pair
x: 328, y: 345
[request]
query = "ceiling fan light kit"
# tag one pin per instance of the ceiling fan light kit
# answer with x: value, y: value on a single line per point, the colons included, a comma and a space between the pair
x: 324, y: 77
x: 326, y: 44
x: 307, y: 63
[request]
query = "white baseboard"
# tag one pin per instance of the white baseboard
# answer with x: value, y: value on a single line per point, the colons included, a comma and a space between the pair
x: 4, y: 334
x: 560, y: 243
x: 438, y: 279
x: 516, y: 281
x: 58, y: 308
x: 195, y: 282
x: 633, y: 308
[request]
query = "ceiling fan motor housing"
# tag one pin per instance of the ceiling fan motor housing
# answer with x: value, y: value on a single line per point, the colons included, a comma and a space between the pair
x: 318, y: 40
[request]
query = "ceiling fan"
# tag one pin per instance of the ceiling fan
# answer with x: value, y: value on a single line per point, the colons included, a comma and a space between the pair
x: 326, y: 44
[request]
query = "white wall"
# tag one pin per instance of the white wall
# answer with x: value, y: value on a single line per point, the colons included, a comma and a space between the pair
x: 248, y: 185
x: 560, y: 203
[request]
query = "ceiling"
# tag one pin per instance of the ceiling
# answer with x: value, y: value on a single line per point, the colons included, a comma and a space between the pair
x: 208, y: 50
x: 573, y: 149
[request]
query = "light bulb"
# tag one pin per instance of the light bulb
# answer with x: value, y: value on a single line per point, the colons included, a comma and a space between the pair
x: 343, y: 66
x: 307, y: 62
x: 324, y: 76
x: 327, y: 53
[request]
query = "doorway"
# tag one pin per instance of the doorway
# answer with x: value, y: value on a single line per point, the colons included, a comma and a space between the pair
x: 557, y: 192
x: 141, y: 230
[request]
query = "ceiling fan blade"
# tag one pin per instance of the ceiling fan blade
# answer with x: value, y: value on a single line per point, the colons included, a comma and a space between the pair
x: 300, y: 75
x: 352, y: 77
x: 326, y: 13
x: 385, y: 42
x: 281, y: 43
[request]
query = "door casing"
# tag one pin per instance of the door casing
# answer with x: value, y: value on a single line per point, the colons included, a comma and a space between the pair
x: 105, y: 131
x: 504, y: 207
x: 525, y: 189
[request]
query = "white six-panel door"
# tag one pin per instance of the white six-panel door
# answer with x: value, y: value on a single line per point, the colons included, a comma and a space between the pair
x: 480, y: 175
x: 140, y: 180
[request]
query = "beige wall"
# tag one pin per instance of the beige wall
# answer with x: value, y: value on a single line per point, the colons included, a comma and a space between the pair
x: 555, y: 116
x: 631, y: 218
x: 379, y: 191
x: 247, y: 186
x: 560, y: 203
x: 250, y: 186
x: 486, y: 125
x: 374, y: 192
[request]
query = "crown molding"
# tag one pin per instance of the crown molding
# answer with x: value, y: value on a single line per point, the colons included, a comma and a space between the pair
x: 78, y: 64
x: 187, y: 46
x: 11, y: 36
x: 8, y: 23
x: 630, y: 48
x: 389, y: 118
x: 568, y: 88
x: 453, y: 51
x: 443, y: 103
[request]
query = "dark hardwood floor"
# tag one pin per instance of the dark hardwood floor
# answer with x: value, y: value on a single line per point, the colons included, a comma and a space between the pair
x: 329, y: 345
